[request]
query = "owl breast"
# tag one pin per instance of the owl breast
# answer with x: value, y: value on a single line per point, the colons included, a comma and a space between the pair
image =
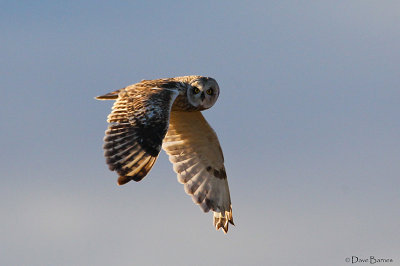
x: 182, y: 104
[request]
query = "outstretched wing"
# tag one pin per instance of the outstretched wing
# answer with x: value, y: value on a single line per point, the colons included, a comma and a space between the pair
x: 195, y: 152
x: 137, y: 125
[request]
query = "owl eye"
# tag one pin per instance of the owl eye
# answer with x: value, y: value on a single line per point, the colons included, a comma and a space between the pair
x: 196, y: 90
x: 209, y: 91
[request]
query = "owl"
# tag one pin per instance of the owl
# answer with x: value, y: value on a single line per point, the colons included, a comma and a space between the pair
x: 165, y: 113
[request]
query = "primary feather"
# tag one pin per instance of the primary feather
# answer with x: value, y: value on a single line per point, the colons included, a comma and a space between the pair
x: 166, y: 112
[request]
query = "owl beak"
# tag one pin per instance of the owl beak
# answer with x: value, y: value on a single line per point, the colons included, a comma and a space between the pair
x: 202, y: 96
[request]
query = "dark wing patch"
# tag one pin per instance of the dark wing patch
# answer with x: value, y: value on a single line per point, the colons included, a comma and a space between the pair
x: 221, y: 174
x: 137, y: 125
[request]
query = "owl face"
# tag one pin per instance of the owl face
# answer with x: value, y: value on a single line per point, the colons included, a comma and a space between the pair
x: 203, y: 92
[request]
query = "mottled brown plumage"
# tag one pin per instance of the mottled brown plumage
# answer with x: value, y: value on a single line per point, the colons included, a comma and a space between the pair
x: 165, y: 112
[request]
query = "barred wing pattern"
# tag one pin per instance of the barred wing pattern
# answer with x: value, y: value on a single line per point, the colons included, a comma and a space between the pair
x: 197, y: 158
x: 137, y: 125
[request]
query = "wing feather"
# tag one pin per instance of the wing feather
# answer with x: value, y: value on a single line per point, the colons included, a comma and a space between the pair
x: 197, y: 158
x: 138, y: 123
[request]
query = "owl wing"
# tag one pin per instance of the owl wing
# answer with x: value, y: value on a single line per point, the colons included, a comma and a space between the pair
x: 137, y: 125
x: 197, y: 158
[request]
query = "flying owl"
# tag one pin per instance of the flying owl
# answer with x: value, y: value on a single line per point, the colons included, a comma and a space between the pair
x: 166, y: 113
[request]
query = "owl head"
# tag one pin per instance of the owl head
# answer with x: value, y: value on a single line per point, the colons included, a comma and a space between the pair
x: 203, y: 92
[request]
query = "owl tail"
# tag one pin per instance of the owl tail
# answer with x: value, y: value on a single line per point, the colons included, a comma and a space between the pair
x: 223, y: 221
x: 109, y: 96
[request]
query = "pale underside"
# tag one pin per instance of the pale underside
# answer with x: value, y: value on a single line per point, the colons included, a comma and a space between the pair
x: 141, y: 122
x: 195, y: 152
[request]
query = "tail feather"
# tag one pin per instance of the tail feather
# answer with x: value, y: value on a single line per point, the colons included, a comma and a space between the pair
x: 109, y: 96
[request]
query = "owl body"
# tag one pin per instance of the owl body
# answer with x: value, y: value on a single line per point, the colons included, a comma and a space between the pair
x: 165, y: 113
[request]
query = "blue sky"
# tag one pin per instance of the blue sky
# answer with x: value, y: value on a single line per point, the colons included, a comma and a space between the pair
x: 308, y: 119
